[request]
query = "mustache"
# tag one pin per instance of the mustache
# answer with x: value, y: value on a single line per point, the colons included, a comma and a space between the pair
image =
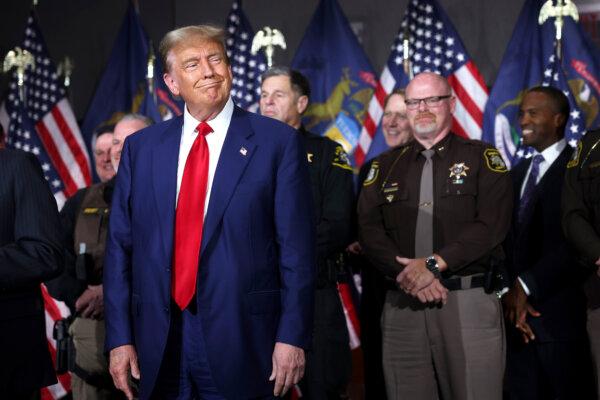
x: 424, y: 115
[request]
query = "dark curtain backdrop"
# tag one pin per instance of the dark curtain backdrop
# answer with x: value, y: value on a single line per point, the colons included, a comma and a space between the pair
x: 85, y: 30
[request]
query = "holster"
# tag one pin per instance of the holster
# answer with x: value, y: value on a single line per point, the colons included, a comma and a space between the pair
x: 496, y: 277
x: 65, y: 352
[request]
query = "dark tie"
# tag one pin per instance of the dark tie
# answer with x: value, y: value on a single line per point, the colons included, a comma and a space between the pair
x: 424, y: 231
x: 189, y: 219
x: 529, y: 190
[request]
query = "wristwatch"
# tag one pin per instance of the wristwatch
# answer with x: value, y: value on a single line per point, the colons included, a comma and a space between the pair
x: 432, y: 265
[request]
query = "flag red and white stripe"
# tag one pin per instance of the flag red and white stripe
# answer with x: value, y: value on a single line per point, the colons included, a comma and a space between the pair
x: 55, y: 310
x: 434, y: 46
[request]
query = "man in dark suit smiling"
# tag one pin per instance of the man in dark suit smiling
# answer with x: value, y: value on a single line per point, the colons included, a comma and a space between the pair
x: 545, y: 307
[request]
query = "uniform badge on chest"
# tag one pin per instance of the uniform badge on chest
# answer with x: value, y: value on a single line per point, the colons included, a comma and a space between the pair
x: 457, y: 171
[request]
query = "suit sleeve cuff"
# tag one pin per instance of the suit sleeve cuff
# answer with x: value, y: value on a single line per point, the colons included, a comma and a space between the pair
x: 524, y: 285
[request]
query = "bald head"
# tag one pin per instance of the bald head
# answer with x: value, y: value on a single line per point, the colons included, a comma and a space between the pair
x: 430, y: 105
x: 129, y: 124
x: 429, y: 78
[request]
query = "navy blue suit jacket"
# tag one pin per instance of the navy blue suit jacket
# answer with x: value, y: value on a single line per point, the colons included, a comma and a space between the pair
x: 257, y: 260
x: 537, y: 252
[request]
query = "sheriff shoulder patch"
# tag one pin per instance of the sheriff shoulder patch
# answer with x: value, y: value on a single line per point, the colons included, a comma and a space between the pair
x: 340, y: 159
x: 574, y: 161
x: 373, y: 174
x: 494, y: 160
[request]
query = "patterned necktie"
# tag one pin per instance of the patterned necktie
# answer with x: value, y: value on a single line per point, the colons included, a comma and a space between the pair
x: 189, y: 218
x: 529, y: 190
x: 424, y: 230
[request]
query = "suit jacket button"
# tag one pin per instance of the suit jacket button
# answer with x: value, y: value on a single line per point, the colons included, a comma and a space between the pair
x: 166, y: 309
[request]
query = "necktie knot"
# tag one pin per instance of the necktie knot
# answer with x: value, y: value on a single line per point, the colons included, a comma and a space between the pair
x: 537, y: 159
x: 204, y: 128
x: 428, y: 153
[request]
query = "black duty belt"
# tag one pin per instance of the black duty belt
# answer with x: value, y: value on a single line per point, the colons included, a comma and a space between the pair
x: 464, y: 282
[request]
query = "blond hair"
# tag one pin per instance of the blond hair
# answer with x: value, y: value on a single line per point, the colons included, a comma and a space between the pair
x: 182, y: 35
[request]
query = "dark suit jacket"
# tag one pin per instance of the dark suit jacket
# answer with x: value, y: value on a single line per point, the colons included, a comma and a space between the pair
x: 538, y: 253
x: 30, y: 252
x: 256, y: 275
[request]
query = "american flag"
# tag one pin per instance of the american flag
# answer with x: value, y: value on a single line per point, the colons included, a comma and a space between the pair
x: 434, y: 46
x: 44, y: 123
x: 247, y: 68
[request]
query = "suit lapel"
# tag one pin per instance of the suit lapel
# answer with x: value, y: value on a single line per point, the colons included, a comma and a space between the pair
x: 236, y: 153
x: 555, y: 173
x: 519, y: 173
x: 165, y: 157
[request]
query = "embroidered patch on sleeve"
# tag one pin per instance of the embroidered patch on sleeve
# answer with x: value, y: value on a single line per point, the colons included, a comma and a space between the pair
x: 373, y: 174
x: 494, y: 160
x: 340, y: 159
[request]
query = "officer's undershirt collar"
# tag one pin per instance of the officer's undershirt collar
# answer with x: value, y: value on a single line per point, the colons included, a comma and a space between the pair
x: 441, y: 147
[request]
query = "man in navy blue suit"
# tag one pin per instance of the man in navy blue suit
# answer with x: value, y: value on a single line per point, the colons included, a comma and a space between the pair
x: 547, y: 354
x: 210, y: 263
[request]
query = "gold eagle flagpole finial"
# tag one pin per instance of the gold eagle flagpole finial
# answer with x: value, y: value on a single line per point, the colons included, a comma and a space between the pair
x: 268, y: 38
x: 562, y: 9
x: 21, y: 59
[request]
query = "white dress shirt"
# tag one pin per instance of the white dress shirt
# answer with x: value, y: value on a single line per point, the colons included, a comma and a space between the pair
x: 215, y: 140
x: 550, y: 155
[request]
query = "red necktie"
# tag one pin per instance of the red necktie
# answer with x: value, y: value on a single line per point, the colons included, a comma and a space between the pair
x: 189, y: 219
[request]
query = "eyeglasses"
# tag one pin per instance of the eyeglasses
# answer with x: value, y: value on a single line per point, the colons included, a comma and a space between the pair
x: 433, y: 101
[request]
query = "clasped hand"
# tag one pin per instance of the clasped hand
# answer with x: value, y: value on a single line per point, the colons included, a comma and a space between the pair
x: 416, y: 280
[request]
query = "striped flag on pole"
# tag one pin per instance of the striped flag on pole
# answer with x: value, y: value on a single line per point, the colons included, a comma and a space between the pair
x: 433, y: 45
x: 246, y: 67
x: 43, y: 122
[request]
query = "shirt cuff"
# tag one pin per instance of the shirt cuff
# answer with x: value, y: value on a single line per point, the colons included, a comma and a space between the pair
x: 524, y: 286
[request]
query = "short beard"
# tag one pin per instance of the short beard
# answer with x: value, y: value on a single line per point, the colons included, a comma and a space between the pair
x: 425, y: 129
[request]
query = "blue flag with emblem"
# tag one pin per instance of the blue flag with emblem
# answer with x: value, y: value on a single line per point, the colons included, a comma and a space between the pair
x: 341, y: 77
x: 246, y: 67
x: 124, y: 86
x: 531, y: 59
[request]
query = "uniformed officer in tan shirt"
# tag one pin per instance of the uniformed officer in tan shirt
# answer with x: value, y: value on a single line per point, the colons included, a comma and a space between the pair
x: 432, y: 216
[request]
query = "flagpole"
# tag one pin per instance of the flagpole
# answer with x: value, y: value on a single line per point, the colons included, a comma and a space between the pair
x: 562, y: 9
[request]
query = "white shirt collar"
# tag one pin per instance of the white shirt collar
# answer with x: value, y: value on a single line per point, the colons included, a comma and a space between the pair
x: 552, y: 152
x: 220, y: 123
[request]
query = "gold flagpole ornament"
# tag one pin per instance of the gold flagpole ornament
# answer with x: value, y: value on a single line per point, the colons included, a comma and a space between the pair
x: 65, y: 69
x: 563, y: 8
x: 268, y: 38
x: 21, y: 59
